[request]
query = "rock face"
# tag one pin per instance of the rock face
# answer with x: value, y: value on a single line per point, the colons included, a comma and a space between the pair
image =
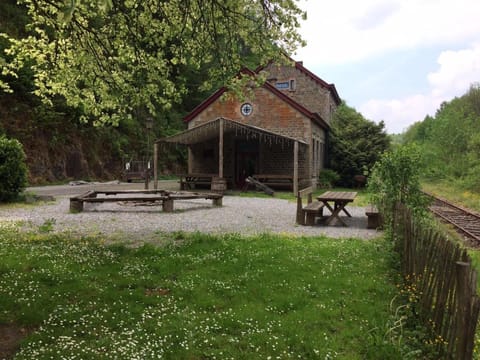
x: 70, y: 161
x: 60, y: 148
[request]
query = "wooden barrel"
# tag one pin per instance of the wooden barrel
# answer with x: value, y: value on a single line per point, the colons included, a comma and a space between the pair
x: 219, y: 185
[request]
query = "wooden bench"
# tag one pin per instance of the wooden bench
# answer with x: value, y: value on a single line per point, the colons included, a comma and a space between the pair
x: 306, y: 214
x: 275, y: 180
x: 191, y: 181
x: 166, y: 198
x: 374, y: 220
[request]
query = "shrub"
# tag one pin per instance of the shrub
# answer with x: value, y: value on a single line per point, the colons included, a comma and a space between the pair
x: 396, y: 178
x: 13, y: 170
x: 327, y: 178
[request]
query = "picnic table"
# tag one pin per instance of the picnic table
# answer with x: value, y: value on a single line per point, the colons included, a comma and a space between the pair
x: 339, y: 199
x: 163, y: 197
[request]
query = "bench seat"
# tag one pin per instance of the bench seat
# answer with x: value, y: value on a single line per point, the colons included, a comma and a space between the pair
x: 306, y: 214
x: 374, y: 220
x: 313, y: 210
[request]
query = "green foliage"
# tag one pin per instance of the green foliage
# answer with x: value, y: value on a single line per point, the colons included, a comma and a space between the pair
x: 328, y: 178
x: 13, y: 170
x: 355, y: 144
x: 47, y: 226
x: 111, y: 59
x: 396, y: 178
x: 450, y: 141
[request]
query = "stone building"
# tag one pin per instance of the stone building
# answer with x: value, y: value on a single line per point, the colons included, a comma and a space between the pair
x: 280, y: 131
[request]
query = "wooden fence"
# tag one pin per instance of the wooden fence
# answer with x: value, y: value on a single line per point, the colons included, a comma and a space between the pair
x: 445, y: 281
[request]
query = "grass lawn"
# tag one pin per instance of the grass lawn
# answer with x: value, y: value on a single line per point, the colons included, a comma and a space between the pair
x: 200, y: 297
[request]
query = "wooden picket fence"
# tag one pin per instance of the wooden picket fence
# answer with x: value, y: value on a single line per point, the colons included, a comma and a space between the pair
x: 445, y: 280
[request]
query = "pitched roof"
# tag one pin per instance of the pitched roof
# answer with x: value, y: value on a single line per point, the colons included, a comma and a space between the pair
x: 297, y: 106
x: 210, y: 130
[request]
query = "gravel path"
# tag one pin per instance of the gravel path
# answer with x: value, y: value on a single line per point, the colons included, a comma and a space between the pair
x: 237, y: 215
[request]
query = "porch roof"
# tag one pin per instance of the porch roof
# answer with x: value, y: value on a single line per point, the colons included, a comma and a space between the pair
x: 210, y: 130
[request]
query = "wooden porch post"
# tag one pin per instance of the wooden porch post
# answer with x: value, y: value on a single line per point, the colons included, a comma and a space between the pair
x: 295, y: 167
x: 155, y: 166
x: 220, y: 150
x: 190, y: 159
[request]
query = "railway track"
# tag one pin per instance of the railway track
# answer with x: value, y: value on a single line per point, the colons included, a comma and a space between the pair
x: 466, y: 222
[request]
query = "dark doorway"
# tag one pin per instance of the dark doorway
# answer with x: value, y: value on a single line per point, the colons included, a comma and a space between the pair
x: 246, y: 161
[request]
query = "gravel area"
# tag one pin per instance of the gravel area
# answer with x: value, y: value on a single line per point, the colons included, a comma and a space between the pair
x: 237, y: 215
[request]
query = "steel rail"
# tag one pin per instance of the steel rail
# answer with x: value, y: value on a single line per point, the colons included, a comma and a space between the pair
x: 451, y: 214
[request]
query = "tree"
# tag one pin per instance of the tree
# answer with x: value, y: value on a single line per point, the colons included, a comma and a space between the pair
x: 450, y: 140
x: 355, y: 144
x: 115, y: 58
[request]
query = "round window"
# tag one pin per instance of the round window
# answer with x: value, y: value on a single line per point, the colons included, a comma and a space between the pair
x: 246, y: 109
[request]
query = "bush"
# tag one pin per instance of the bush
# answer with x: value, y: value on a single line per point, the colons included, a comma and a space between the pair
x: 396, y: 178
x: 328, y: 178
x: 13, y: 170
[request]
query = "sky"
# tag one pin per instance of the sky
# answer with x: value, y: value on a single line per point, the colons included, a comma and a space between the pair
x: 393, y: 60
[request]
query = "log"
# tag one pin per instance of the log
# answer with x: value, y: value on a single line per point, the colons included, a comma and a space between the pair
x: 259, y: 186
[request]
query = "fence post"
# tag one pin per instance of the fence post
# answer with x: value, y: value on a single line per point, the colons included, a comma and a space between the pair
x: 464, y: 302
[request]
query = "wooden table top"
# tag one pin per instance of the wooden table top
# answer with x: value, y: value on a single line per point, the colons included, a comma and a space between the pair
x: 338, y: 196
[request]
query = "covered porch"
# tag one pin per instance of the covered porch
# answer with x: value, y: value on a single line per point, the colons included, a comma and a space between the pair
x: 232, y: 150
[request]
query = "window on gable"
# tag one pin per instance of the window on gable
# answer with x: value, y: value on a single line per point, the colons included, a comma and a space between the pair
x: 283, y: 85
x: 286, y: 85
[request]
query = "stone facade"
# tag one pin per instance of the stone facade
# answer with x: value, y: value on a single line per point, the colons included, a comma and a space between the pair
x: 269, y: 113
x: 308, y: 90
x: 294, y: 103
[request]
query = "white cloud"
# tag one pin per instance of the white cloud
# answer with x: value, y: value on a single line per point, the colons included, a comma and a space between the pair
x: 399, y: 114
x: 457, y: 71
x: 344, y: 31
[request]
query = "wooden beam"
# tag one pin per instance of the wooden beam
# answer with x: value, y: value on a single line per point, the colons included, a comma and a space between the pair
x: 190, y: 160
x: 220, y: 150
x: 295, y: 167
x: 155, y: 166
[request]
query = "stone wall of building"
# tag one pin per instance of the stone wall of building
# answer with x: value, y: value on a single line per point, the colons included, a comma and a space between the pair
x: 306, y: 91
x: 269, y: 112
x: 274, y: 158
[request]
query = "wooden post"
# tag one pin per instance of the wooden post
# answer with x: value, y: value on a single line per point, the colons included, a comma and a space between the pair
x: 167, y: 205
x: 155, y: 166
x: 300, y: 214
x: 295, y: 167
x: 76, y: 205
x: 220, y: 149
x: 190, y: 160
x: 147, y: 177
x: 463, y: 307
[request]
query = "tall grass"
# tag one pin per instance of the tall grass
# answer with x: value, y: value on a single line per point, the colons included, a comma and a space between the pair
x: 454, y: 193
x: 215, y: 297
